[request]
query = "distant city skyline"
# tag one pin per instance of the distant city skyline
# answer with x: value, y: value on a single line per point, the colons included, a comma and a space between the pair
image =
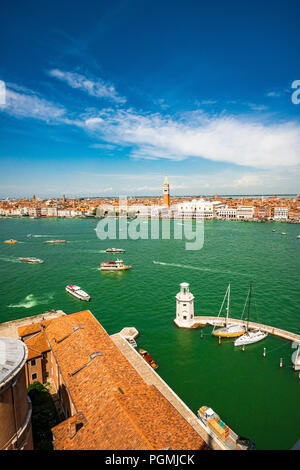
x: 105, y: 99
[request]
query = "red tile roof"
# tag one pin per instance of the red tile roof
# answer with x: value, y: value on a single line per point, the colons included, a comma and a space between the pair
x: 116, y: 409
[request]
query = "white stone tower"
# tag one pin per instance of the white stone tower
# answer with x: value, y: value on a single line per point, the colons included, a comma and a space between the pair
x: 184, y: 307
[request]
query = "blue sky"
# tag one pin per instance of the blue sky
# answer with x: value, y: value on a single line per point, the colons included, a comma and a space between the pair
x: 105, y: 98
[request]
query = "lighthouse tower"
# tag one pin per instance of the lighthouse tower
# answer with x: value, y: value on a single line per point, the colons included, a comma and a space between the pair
x: 166, y: 193
x: 184, y: 307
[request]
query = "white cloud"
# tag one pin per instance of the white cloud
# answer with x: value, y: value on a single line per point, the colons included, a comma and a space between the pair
x: 217, y: 138
x: 21, y: 102
x: 93, y: 87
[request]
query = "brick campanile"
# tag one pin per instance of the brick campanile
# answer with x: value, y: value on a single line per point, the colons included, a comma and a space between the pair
x: 166, y: 193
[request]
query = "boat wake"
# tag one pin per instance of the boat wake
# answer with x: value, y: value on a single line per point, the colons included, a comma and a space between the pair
x: 197, y: 268
x: 40, y: 236
x: 31, y: 301
x: 11, y: 260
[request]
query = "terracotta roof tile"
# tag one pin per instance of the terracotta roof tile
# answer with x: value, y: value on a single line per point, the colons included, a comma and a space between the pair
x: 121, y: 411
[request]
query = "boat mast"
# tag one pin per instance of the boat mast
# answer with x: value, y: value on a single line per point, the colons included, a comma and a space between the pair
x: 250, y: 288
x: 228, y: 302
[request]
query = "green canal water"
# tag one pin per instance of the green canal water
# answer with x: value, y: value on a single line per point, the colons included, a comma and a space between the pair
x: 252, y: 394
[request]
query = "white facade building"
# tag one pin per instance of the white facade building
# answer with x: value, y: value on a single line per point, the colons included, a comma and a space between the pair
x: 198, y: 209
x: 281, y: 213
x: 245, y: 212
x: 226, y: 212
x: 184, y: 307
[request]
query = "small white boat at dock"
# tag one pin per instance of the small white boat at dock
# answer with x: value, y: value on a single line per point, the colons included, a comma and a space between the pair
x: 229, y: 330
x: 250, y: 336
x: 78, y: 292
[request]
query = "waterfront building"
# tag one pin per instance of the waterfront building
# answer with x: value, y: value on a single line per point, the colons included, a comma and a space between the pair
x: 106, y: 402
x: 281, y: 213
x: 245, y: 212
x: 226, y: 212
x: 15, y: 405
x: 166, y: 193
x: 198, y: 208
x: 184, y: 307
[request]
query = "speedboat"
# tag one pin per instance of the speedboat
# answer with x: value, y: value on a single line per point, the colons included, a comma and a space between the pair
x: 117, y: 265
x: 115, y: 250
x: 273, y: 230
x: 298, y: 236
x: 11, y: 241
x: 32, y: 260
x: 283, y: 233
x: 78, y: 292
x: 251, y: 336
x: 156, y: 262
x: 51, y: 242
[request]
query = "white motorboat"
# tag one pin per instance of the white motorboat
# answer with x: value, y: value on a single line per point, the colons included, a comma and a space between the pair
x: 298, y: 236
x: 53, y: 242
x: 115, y: 250
x: 251, y: 336
x: 78, y: 292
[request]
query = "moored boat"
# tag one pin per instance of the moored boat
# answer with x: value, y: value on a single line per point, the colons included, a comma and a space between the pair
x: 11, y: 241
x: 229, y: 330
x: 117, y: 265
x: 78, y: 292
x: 51, y: 242
x: 115, y: 250
x: 250, y: 336
x: 149, y: 359
x: 213, y: 422
x: 32, y: 260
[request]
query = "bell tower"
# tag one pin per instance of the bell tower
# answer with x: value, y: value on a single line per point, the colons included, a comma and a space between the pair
x: 184, y: 307
x: 166, y: 193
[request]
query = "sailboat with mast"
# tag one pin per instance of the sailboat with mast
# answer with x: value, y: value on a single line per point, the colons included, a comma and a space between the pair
x: 231, y: 330
x: 250, y: 336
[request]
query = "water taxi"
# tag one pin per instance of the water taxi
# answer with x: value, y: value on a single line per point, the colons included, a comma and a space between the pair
x: 31, y: 260
x: 213, y: 423
x: 117, y: 265
x: 51, y: 242
x: 11, y: 241
x: 78, y: 292
x: 149, y: 359
x: 230, y: 330
x: 115, y: 250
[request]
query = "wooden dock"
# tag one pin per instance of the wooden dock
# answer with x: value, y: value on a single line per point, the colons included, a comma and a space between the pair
x: 220, y: 321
